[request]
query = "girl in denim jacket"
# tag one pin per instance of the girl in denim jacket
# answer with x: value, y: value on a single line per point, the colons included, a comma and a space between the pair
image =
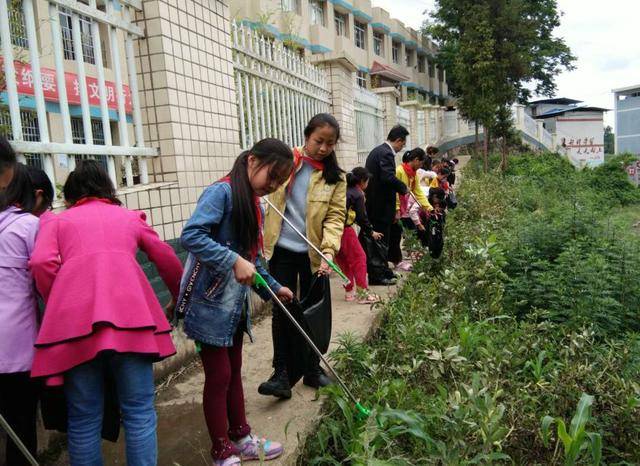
x: 224, y: 240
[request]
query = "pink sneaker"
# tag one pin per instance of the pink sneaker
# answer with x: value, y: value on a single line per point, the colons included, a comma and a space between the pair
x: 404, y: 266
x: 230, y: 461
x: 254, y: 448
x: 350, y: 296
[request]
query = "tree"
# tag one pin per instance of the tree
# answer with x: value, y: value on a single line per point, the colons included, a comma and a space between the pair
x: 609, y: 141
x: 497, y: 52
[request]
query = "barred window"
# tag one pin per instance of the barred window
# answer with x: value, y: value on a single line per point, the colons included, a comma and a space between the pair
x: 30, y: 132
x: 378, y: 43
x: 421, y: 64
x: 360, y: 34
x: 316, y: 12
x: 361, y: 79
x: 395, y: 52
x: 17, y: 25
x: 340, y: 21
x: 86, y: 38
x: 77, y: 132
x: 290, y: 5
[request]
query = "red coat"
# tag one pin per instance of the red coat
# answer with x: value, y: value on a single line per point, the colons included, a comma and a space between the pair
x: 97, y: 296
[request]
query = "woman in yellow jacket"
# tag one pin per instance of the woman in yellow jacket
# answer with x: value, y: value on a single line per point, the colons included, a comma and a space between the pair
x: 314, y: 201
x: 407, y: 173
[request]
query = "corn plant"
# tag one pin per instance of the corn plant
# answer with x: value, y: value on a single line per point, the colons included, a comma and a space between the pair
x: 577, y: 440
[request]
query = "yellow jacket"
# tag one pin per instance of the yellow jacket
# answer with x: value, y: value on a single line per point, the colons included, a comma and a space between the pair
x: 326, y: 210
x: 414, y: 186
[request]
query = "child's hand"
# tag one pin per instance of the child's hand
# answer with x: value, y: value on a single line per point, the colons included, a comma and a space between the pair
x: 421, y: 227
x: 376, y: 235
x: 244, y: 271
x: 285, y: 294
x: 325, y: 268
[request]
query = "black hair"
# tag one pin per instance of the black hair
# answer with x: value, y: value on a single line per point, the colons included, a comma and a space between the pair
x: 89, y: 179
x: 414, y: 154
x: 268, y: 152
x: 427, y: 164
x: 331, y: 171
x: 7, y: 155
x: 357, y: 176
x: 432, y: 150
x: 398, y: 132
x: 436, y: 194
x: 21, y: 191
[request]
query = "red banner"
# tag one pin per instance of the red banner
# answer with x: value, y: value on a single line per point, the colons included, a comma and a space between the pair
x: 24, y: 80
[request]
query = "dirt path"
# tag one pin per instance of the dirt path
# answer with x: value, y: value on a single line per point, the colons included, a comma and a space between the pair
x: 182, y: 433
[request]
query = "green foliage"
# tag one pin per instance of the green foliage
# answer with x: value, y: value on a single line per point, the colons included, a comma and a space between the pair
x: 609, y: 140
x: 534, y: 302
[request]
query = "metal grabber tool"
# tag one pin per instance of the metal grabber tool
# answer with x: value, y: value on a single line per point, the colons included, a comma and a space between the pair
x: 27, y: 454
x: 313, y: 246
x: 261, y: 283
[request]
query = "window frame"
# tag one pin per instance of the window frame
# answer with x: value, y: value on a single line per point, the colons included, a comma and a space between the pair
x: 395, y: 52
x: 360, y: 35
x: 316, y: 11
x: 340, y: 23
x: 378, y: 43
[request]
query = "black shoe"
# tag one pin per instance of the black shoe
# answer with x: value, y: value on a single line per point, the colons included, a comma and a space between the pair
x: 317, y: 379
x: 277, y: 385
x: 383, y: 282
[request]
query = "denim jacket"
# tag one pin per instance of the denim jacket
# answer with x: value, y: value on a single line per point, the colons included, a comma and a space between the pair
x: 214, y: 302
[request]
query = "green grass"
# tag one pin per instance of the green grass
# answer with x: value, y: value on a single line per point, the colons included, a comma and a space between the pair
x: 533, y: 305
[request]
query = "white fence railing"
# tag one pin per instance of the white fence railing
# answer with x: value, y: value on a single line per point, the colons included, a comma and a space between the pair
x: 422, y: 128
x: 277, y: 91
x: 36, y: 144
x: 403, y: 116
x: 369, y: 122
x: 530, y: 126
x: 450, y: 123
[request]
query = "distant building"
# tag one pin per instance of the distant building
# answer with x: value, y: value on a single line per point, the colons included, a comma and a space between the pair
x: 579, y: 129
x: 627, y: 107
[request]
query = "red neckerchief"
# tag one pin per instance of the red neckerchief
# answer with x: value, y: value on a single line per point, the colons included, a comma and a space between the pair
x: 404, y: 198
x: 298, y: 158
x: 259, y: 247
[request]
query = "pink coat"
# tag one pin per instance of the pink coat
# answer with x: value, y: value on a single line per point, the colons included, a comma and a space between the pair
x: 97, y: 296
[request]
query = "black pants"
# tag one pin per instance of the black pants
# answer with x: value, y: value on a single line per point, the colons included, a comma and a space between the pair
x: 378, y: 253
x: 18, y: 405
x: 289, y: 269
x: 395, y: 239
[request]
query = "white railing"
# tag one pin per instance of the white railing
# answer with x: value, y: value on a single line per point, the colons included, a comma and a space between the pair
x: 450, y: 123
x: 433, y: 137
x: 77, y: 89
x: 403, y: 116
x: 277, y: 91
x: 369, y: 122
x: 547, y: 139
x: 530, y: 126
x: 422, y: 128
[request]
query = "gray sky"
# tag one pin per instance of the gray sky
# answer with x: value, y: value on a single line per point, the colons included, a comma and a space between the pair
x: 602, y: 35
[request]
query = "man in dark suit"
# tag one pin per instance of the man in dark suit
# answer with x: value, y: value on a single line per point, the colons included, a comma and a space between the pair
x: 383, y: 188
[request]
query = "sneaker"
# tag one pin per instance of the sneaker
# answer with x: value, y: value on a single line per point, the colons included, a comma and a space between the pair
x: 277, y: 385
x: 366, y: 297
x: 350, y: 296
x: 254, y: 448
x: 233, y: 460
x: 404, y: 266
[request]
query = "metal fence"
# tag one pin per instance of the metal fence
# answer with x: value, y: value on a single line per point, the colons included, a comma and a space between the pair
x: 369, y: 122
x: 422, y: 126
x: 277, y: 91
x: 403, y: 116
x: 84, y: 29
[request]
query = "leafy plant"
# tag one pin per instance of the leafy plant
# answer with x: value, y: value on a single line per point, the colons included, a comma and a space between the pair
x: 577, y: 440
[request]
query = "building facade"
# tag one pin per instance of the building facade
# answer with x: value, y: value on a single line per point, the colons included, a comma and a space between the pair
x: 627, y: 119
x: 386, y: 52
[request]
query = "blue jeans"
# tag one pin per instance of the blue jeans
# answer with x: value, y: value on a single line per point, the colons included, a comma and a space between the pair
x: 84, y: 389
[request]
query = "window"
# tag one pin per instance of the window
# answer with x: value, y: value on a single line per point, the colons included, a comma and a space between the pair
x: 360, y: 34
x: 17, y: 25
x: 361, y: 79
x: 316, y: 12
x: 290, y: 5
x: 30, y: 132
x: 378, y: 43
x: 97, y: 131
x: 86, y: 38
x: 432, y: 70
x: 340, y: 21
x: 395, y: 52
x: 408, y: 57
x: 421, y: 64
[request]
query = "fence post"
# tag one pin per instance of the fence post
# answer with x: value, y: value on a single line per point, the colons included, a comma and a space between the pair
x: 388, y: 96
x: 412, y: 106
x: 341, y: 79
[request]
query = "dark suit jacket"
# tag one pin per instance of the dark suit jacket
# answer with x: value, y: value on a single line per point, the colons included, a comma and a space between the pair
x: 384, y: 185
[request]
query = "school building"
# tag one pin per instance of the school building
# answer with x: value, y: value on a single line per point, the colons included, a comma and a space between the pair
x: 626, y: 102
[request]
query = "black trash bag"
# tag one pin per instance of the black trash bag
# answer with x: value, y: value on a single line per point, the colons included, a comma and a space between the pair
x: 452, y: 200
x: 435, y: 232
x: 376, y: 252
x: 314, y: 315
x: 53, y: 407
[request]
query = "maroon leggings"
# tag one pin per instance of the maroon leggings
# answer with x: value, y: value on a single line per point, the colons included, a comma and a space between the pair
x: 223, y: 397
